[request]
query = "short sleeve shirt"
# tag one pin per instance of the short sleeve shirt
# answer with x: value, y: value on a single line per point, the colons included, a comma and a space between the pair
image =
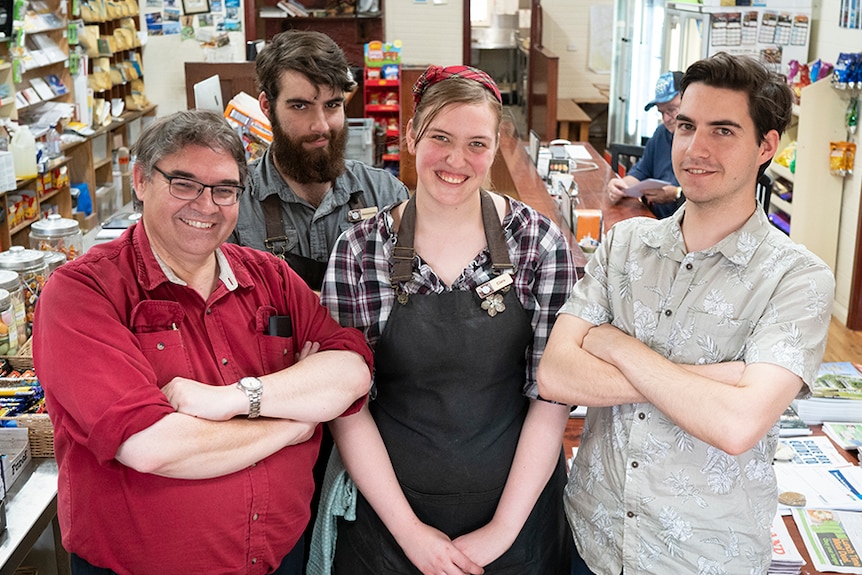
x: 310, y: 231
x: 643, y: 494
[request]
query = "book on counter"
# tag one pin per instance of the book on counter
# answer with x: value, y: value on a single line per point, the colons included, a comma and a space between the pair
x: 846, y: 435
x: 791, y: 425
x: 838, y: 379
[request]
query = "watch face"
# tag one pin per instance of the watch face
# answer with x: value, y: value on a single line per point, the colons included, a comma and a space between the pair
x: 251, y: 383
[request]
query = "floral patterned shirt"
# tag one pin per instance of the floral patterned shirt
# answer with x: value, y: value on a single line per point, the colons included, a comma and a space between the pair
x: 643, y: 494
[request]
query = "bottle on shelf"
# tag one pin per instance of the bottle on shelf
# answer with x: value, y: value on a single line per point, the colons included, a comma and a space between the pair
x: 54, y: 142
x: 23, y: 148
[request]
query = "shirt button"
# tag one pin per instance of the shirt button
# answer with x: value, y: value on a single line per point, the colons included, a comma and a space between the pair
x: 634, y: 464
x: 253, y: 560
x: 224, y: 361
x: 254, y: 517
x: 641, y: 415
x: 630, y: 514
x: 667, y: 312
x: 160, y: 346
x: 209, y: 310
x: 284, y: 351
x: 688, y: 266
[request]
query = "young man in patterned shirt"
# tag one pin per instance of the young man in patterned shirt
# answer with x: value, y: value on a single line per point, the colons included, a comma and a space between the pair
x: 687, y: 338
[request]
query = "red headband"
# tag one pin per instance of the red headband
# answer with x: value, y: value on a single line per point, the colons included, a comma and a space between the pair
x: 435, y: 74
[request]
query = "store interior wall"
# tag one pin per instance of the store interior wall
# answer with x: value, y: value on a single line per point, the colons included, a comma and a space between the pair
x: 566, y: 33
x: 827, y: 41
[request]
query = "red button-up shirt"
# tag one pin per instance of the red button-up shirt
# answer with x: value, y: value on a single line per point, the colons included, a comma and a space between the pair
x: 110, y: 330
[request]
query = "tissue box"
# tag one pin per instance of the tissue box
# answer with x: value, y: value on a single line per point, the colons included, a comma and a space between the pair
x: 14, y: 455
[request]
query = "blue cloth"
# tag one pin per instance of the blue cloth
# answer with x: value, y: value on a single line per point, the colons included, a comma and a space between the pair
x: 85, y: 202
x: 656, y: 163
x: 337, y: 499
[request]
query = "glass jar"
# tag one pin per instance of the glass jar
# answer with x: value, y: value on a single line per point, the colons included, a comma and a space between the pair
x: 8, y: 327
x: 53, y: 260
x: 9, y: 281
x: 32, y: 270
x: 57, y: 234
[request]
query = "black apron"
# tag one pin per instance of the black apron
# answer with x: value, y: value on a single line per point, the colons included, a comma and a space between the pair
x: 310, y: 270
x: 449, y: 406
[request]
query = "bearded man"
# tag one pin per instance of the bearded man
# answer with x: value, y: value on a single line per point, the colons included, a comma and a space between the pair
x: 303, y: 192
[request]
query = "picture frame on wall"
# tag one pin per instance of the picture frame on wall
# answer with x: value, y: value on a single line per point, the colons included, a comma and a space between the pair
x: 196, y: 7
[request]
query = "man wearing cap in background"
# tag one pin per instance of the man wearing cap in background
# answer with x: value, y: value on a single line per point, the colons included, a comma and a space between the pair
x: 656, y: 160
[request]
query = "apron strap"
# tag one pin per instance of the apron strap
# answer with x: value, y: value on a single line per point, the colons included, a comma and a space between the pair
x: 495, y: 236
x: 357, y: 201
x: 403, y: 252
x: 276, y: 241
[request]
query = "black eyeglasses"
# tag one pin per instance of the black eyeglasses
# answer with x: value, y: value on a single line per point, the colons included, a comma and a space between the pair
x: 183, y: 188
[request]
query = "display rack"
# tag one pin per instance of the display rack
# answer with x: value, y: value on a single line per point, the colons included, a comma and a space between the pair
x: 110, y: 38
x: 37, y: 54
x: 382, y: 99
x: 816, y: 193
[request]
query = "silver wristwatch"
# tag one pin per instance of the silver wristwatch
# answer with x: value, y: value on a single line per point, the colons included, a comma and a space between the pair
x: 253, y: 388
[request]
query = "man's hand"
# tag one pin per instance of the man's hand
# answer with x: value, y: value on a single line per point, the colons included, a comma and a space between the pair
x: 616, y: 189
x: 214, y: 402
x: 663, y: 195
x: 308, y: 349
x: 603, y: 339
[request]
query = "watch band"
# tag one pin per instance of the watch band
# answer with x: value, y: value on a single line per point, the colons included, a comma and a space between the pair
x: 253, y: 388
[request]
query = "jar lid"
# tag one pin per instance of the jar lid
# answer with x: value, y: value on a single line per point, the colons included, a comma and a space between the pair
x: 5, y: 299
x: 19, y: 258
x: 9, y: 280
x: 55, y: 225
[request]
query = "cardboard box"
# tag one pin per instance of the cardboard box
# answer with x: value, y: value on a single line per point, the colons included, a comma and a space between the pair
x: 14, y: 455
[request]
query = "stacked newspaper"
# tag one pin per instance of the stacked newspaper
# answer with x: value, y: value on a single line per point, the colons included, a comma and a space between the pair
x: 786, y: 559
x: 836, y: 395
x: 833, y: 539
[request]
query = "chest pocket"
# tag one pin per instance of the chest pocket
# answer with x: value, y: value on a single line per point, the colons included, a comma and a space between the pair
x: 276, y: 351
x: 719, y: 339
x: 156, y: 324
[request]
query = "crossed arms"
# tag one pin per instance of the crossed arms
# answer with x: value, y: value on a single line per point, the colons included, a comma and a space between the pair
x: 728, y: 405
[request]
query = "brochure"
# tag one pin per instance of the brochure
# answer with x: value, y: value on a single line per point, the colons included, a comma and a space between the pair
x: 785, y: 556
x: 791, y: 424
x: 838, y: 379
x: 833, y: 539
x: 823, y: 487
x: 637, y: 190
x: 845, y: 435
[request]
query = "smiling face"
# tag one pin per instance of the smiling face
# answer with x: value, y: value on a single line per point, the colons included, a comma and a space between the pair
x: 455, y: 152
x: 185, y: 233
x: 716, y: 152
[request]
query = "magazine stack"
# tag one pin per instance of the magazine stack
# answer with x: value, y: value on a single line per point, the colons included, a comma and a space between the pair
x: 836, y: 395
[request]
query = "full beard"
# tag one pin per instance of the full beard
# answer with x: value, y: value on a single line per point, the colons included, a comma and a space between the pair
x: 308, y: 166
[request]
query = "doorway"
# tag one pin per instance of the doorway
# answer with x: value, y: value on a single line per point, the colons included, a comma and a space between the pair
x: 496, y: 39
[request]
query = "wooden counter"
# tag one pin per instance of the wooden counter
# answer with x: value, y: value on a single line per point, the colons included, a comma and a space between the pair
x: 513, y: 173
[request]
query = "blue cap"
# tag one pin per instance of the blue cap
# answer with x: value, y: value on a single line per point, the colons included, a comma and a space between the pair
x: 666, y: 88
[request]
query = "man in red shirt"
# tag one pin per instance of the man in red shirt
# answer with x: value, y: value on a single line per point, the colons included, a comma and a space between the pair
x: 186, y: 378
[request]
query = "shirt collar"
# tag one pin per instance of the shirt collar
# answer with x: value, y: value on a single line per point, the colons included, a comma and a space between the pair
x: 738, y: 246
x: 150, y: 279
